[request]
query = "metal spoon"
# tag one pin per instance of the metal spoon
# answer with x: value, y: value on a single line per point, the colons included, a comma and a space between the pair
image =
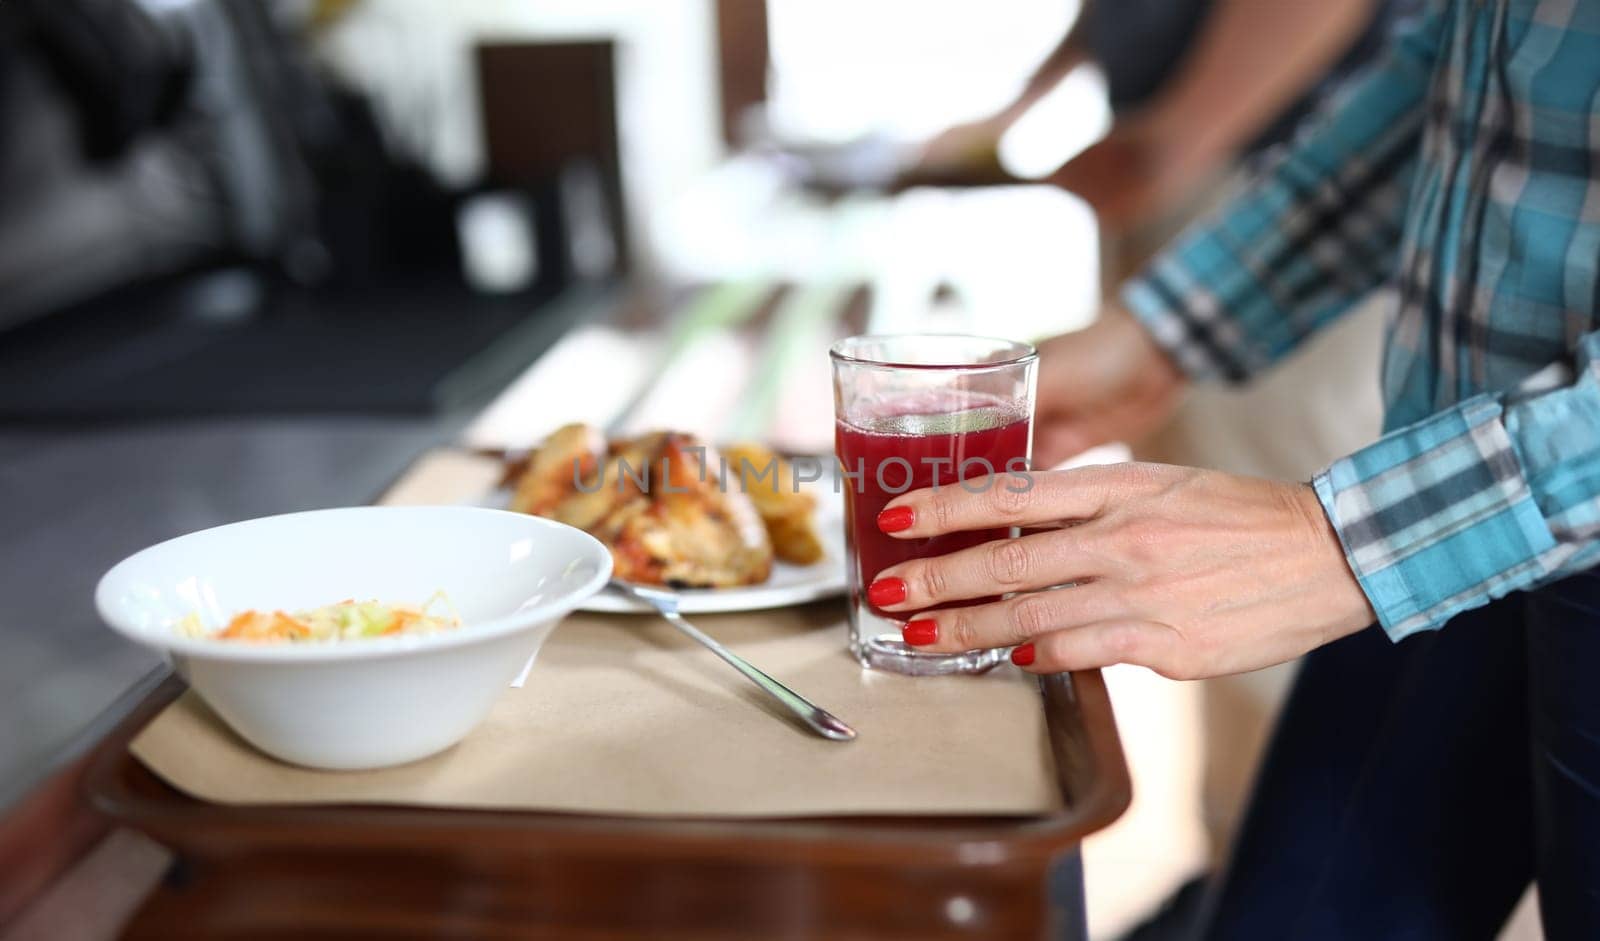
x: 817, y: 719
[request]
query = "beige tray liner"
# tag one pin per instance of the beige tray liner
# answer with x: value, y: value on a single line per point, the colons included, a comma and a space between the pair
x: 621, y: 715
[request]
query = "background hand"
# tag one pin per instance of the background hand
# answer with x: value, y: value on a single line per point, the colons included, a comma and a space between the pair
x: 1106, y: 382
x: 962, y: 146
x: 1118, y: 177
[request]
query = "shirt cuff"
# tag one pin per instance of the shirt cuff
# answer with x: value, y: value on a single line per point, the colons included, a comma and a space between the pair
x: 1186, y: 317
x: 1437, y: 517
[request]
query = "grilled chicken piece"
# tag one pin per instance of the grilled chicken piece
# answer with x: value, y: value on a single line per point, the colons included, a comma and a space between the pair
x: 617, y: 483
x: 571, y: 453
x: 654, y: 504
x: 693, y: 535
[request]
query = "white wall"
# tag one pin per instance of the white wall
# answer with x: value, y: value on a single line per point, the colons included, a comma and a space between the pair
x: 904, y: 68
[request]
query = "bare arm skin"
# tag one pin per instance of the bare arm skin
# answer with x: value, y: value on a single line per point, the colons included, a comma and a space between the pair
x: 1253, y: 59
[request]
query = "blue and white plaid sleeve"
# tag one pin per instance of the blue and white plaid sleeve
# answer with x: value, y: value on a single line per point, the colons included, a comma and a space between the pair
x: 1492, y: 496
x: 1319, y: 228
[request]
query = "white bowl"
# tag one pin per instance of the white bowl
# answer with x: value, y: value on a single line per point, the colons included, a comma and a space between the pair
x: 359, y: 703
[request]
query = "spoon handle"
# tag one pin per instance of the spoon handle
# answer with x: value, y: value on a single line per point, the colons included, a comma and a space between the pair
x: 819, y: 720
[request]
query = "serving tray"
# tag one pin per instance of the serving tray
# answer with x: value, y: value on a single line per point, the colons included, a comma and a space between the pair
x: 365, y: 870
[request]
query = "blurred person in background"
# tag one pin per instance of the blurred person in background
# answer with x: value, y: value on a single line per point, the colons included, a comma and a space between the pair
x: 1193, y: 84
x: 137, y: 146
x: 1429, y: 765
x: 146, y: 142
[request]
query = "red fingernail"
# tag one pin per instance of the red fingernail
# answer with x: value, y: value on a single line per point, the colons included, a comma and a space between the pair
x: 887, y: 591
x: 1023, y: 656
x: 896, y: 518
x: 921, y: 632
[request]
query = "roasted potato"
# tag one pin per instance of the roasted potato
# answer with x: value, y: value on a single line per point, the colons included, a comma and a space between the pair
x: 768, y: 479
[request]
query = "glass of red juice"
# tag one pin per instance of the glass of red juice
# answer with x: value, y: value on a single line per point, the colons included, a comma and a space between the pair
x: 916, y: 411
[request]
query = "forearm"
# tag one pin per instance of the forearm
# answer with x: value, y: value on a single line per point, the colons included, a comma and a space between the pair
x: 1317, y: 230
x: 1252, y: 60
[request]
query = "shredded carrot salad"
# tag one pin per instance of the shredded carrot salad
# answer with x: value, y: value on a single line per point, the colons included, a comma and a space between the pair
x: 345, y: 620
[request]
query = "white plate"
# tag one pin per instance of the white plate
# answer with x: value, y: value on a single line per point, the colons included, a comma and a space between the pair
x: 789, y: 584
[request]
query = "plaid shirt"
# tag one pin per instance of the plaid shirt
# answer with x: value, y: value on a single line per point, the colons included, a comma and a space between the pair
x: 1463, y: 169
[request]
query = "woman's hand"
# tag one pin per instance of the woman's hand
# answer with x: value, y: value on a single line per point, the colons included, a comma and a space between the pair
x: 1106, y: 382
x: 1192, y: 573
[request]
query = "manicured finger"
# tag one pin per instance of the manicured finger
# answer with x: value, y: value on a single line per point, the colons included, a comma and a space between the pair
x: 1000, y: 567
x: 1015, y: 620
x: 1025, y: 498
x: 1098, y: 644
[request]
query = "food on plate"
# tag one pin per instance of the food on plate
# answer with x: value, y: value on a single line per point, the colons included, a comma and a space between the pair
x: 786, y: 511
x: 665, y: 507
x: 346, y: 620
x: 548, y: 481
x: 651, y: 502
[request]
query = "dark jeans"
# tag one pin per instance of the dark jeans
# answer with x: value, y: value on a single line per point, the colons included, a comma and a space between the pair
x: 1413, y: 790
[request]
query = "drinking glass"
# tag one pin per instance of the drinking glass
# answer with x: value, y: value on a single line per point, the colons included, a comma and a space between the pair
x: 915, y: 411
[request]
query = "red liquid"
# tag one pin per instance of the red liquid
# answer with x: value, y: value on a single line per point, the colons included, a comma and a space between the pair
x: 992, y: 433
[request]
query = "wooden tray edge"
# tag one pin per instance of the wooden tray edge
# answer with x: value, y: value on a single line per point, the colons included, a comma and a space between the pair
x: 1091, y: 773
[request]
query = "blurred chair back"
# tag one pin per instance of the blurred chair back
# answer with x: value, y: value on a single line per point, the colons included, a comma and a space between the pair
x: 550, y: 131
